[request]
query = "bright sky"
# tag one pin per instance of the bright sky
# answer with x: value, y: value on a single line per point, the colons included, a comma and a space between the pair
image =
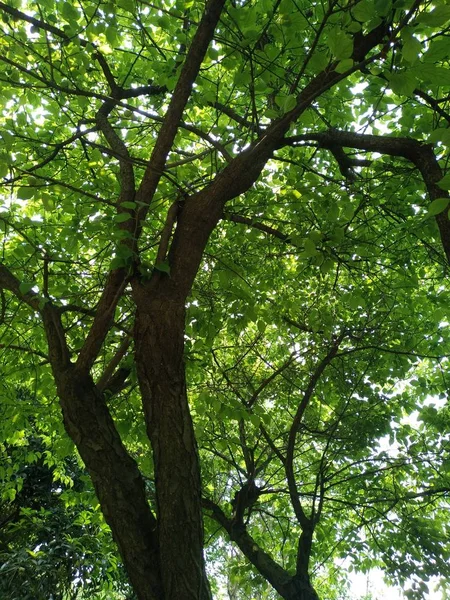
x: 372, y: 583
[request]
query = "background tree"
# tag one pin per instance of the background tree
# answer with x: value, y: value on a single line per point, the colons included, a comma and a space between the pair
x: 225, y: 249
x: 54, y: 543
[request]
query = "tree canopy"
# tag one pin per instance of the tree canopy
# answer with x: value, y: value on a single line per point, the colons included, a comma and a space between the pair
x: 224, y: 297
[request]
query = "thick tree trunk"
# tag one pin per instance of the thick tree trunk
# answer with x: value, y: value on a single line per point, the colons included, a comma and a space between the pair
x: 116, y: 478
x: 159, y: 340
x: 300, y: 589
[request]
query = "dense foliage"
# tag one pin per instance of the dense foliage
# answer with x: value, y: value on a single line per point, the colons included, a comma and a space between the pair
x: 225, y: 250
x: 54, y: 543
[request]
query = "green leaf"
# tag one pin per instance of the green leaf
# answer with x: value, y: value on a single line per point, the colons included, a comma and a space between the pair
x: 364, y: 11
x: 444, y: 183
x: 403, y: 84
x: 356, y: 302
x: 437, y: 51
x: 432, y: 74
x: 25, y: 193
x: 383, y: 7
x: 26, y: 286
x: 122, y: 217
x: 272, y: 113
x: 111, y: 34
x: 435, y: 18
x: 164, y: 22
x: 130, y: 205
x: 440, y: 135
x: 42, y: 302
x: 69, y: 12
x: 117, y: 263
x: 242, y: 78
x: 261, y: 325
x: 289, y: 103
x: 254, y: 419
x: 438, y: 206
x: 318, y: 62
x: 344, y: 65
x: 164, y: 267
x: 310, y: 248
x: 327, y: 265
x: 411, y: 49
x: 340, y: 44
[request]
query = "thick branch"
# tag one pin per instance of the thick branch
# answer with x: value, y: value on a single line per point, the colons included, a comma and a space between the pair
x: 104, y: 380
x: 59, y: 354
x: 263, y: 562
x: 203, y: 210
x: 419, y: 153
x: 183, y: 88
x: 103, y: 319
x: 167, y: 232
x: 126, y: 178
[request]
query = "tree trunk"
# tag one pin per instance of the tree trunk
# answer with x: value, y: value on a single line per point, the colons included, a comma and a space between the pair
x: 116, y: 478
x: 159, y: 340
x: 300, y: 588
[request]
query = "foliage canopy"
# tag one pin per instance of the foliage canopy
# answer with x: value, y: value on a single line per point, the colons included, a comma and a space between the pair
x: 225, y: 258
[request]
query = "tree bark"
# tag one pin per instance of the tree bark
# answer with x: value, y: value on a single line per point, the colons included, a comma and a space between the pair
x: 159, y: 341
x: 118, y: 483
x: 300, y: 589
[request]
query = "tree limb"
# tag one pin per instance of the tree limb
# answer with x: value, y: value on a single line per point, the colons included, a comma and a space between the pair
x: 263, y: 562
x: 296, y: 422
x: 419, y: 153
x: 180, y: 96
x: 107, y: 374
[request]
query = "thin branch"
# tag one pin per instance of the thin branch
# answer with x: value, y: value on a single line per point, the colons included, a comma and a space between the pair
x: 26, y: 349
x: 313, y: 46
x: 271, y: 444
x: 59, y: 33
x: 269, y: 380
x: 62, y: 184
x: 167, y: 232
x: 59, y: 354
x: 256, y: 225
x: 433, y: 103
x: 126, y: 177
x: 104, y: 318
x: 104, y: 380
x: 390, y: 351
x: 296, y: 422
x: 419, y: 153
x: 235, y: 116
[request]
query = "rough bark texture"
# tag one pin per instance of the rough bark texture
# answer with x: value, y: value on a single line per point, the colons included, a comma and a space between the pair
x: 118, y: 483
x: 159, y: 332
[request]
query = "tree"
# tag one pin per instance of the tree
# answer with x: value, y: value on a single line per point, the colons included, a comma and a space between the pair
x: 53, y: 544
x: 226, y: 241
